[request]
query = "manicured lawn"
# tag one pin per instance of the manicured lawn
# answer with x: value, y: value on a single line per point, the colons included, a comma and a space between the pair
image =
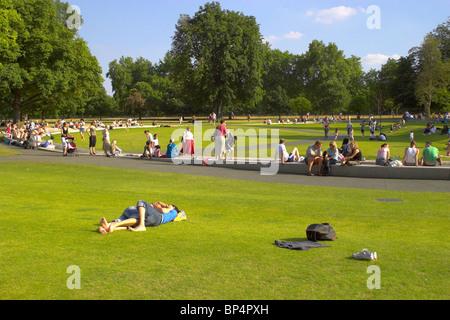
x: 49, y: 214
x: 5, y: 151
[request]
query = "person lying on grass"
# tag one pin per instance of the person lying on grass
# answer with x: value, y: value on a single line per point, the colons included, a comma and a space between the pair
x: 142, y: 216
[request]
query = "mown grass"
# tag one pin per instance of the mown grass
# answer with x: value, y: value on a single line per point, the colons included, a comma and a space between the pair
x: 49, y: 214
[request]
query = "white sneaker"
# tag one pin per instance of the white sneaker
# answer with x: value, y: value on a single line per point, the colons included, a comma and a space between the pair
x: 365, y: 254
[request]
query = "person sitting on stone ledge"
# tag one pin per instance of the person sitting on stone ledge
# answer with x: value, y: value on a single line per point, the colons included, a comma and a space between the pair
x: 314, y: 157
x: 430, y: 155
x: 355, y: 157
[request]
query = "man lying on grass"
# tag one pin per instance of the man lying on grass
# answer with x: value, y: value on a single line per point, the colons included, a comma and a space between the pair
x: 143, y: 215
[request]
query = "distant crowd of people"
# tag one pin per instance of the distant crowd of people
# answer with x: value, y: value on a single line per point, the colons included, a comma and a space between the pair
x: 29, y: 134
x: 348, y: 153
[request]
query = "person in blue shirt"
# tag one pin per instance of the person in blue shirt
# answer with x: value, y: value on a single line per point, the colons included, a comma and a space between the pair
x: 143, y: 215
x: 172, y: 150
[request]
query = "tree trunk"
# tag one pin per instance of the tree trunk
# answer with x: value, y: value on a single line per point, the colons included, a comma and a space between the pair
x: 16, y: 108
x: 427, y: 109
x: 219, y: 111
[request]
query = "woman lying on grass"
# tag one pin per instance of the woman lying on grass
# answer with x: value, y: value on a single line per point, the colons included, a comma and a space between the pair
x: 143, y: 215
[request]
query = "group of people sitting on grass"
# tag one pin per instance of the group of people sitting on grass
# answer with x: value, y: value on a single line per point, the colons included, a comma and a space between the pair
x: 350, y: 154
x: 28, y: 135
x: 431, y: 129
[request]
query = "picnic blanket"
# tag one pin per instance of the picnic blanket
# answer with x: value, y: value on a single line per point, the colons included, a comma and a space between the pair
x: 299, y: 245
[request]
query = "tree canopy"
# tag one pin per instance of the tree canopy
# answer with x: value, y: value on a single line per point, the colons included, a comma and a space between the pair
x: 218, y: 61
x: 49, y: 68
x: 217, y: 58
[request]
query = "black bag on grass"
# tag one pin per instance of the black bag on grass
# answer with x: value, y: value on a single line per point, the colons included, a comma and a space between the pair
x: 320, y: 232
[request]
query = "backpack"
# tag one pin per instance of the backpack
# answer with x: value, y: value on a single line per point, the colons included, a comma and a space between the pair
x: 320, y: 232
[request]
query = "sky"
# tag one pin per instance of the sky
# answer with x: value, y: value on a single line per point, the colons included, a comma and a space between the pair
x: 373, y: 30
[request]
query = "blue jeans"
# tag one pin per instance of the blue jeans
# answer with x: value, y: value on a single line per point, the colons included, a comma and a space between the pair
x: 128, y: 213
x: 153, y: 218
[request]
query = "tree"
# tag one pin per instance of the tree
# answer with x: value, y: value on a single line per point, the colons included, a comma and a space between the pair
x: 135, y: 104
x: 300, y: 105
x: 217, y: 58
x: 9, y: 22
x: 329, y: 77
x: 402, y: 89
x: 276, y: 102
x: 433, y: 76
x: 100, y: 105
x: 358, y: 105
x: 442, y: 33
x: 54, y: 71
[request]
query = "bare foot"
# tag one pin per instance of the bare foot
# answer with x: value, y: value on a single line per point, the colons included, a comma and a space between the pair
x: 104, y: 223
x: 138, y: 228
x: 102, y: 230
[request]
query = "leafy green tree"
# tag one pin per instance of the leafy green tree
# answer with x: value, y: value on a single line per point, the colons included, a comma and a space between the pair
x: 358, y: 105
x: 152, y: 81
x: 9, y: 29
x: 54, y: 71
x: 434, y: 73
x: 300, y: 105
x: 442, y: 33
x: 403, y: 86
x: 101, y: 104
x: 329, y: 77
x: 217, y: 58
x: 276, y: 102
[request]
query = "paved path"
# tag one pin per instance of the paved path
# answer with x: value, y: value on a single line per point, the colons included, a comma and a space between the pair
x: 160, y: 166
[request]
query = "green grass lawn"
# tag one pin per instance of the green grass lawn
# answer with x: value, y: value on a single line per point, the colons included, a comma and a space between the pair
x: 49, y: 214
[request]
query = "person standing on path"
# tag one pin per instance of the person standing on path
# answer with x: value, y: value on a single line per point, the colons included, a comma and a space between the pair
x: 219, y: 139
x: 82, y: 128
x: 363, y: 127
x: 349, y: 127
x: 106, y: 142
x: 326, y: 129
x: 92, y: 132
x: 64, y: 136
x: 188, y: 143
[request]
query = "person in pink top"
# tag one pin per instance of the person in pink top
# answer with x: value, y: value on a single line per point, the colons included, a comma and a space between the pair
x: 219, y: 139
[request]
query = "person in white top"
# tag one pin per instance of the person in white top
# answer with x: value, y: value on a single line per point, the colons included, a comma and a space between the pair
x: 229, y: 144
x: 293, y: 156
x: 188, y: 142
x: 106, y: 141
x: 411, y: 157
x: 383, y: 155
x: 349, y: 127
